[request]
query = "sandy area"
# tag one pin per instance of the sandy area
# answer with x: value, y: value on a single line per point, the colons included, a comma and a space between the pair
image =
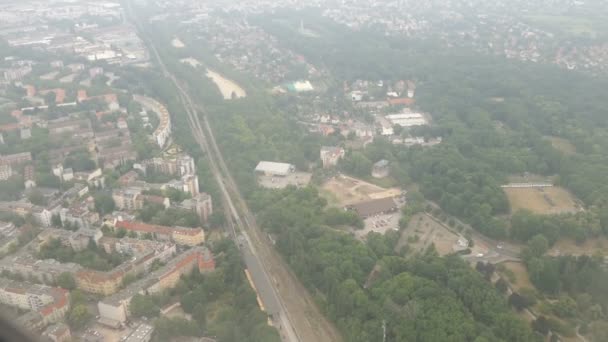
x: 346, y: 190
x: 177, y: 43
x: 552, y: 200
x: 227, y: 87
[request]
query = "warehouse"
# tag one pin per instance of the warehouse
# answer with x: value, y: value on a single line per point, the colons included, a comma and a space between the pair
x: 274, y: 169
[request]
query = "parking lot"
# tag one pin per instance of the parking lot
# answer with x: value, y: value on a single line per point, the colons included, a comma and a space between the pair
x: 379, y: 224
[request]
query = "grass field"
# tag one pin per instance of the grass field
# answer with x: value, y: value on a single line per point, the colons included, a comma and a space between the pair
x: 522, y: 280
x: 595, y: 246
x: 562, y: 145
x: 551, y: 200
x: 343, y: 190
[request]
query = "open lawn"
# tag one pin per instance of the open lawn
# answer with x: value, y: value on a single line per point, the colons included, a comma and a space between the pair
x: 550, y: 200
x: 593, y: 246
x: 522, y: 280
x: 343, y: 190
x: 562, y: 145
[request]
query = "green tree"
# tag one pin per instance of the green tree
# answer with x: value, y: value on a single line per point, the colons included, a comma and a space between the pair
x: 78, y: 316
x: 104, y: 203
x: 66, y: 280
x: 143, y: 306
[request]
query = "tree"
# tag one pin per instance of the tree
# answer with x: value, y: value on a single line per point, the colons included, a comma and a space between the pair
x: 537, y: 246
x: 36, y: 197
x: 501, y: 285
x: 541, y: 325
x: 79, y: 316
x: 104, y: 203
x: 56, y: 220
x: 66, y: 280
x: 517, y: 301
x: 144, y: 306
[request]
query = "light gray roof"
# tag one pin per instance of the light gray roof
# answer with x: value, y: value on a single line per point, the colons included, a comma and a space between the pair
x: 274, y: 167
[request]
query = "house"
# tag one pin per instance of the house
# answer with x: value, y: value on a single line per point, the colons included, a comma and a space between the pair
x: 381, y: 169
x: 330, y: 155
x: 29, y: 177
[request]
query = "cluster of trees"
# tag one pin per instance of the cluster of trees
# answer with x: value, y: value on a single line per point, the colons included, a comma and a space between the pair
x: 91, y: 257
x: 428, y: 297
x: 578, y: 226
x: 157, y: 214
x: 221, y: 304
x: 78, y: 315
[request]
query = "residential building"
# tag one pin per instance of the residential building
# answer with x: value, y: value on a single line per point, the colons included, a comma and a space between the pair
x: 330, y: 155
x: 201, y: 204
x: 49, y: 304
x: 16, y: 159
x: 126, y: 199
x: 114, y: 310
x: 190, y: 184
x: 29, y: 177
x: 179, y: 235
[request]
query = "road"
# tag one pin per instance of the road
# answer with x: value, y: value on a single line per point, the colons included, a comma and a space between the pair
x: 494, y: 254
x: 291, y: 307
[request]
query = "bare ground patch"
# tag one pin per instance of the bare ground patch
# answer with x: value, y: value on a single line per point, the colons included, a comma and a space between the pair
x: 346, y: 190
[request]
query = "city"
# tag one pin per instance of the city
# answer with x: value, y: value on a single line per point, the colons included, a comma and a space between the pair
x: 286, y: 171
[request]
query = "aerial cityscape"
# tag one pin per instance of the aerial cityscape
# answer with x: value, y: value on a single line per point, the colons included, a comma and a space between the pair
x: 288, y: 171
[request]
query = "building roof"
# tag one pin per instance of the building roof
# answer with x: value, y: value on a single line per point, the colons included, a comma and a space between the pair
x: 375, y: 206
x: 405, y: 101
x: 274, y: 167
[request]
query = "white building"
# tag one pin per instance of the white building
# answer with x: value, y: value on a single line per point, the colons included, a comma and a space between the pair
x: 330, y: 155
x: 274, y: 169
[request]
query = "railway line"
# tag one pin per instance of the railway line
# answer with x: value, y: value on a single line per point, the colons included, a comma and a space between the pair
x: 292, y: 309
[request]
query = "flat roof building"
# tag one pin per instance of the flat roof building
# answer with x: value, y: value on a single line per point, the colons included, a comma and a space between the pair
x: 375, y: 207
x: 274, y: 168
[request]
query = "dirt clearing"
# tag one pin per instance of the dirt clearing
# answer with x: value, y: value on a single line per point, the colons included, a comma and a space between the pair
x: 344, y: 190
x: 548, y: 200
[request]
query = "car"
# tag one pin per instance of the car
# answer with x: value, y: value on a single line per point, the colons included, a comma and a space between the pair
x: 499, y: 246
x: 479, y: 255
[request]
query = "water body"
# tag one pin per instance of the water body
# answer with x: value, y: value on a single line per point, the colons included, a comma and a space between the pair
x: 227, y: 87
